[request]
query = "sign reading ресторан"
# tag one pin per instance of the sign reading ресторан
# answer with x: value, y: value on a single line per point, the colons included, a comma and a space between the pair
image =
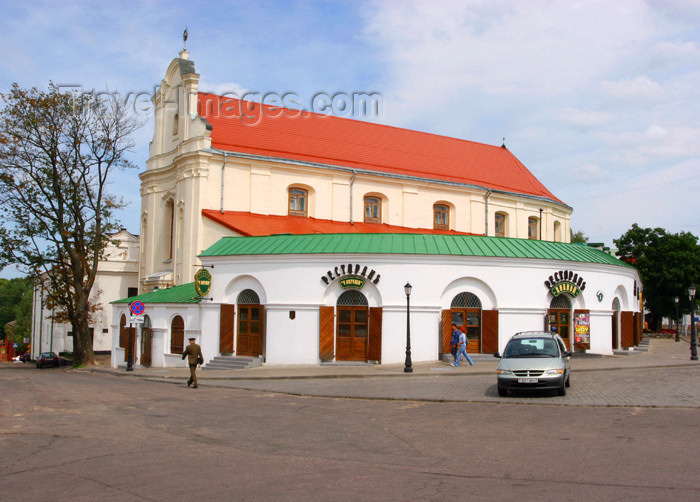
x: 357, y: 271
x: 565, y: 281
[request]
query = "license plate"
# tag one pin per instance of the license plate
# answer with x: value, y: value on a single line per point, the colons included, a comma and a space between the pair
x: 527, y: 380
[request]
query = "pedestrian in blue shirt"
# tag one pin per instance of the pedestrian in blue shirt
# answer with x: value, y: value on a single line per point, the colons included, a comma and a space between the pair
x: 462, y: 349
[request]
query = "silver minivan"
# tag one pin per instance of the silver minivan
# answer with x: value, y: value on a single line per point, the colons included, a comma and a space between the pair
x: 534, y: 360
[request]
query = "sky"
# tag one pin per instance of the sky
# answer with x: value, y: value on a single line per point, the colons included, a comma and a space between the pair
x: 599, y: 99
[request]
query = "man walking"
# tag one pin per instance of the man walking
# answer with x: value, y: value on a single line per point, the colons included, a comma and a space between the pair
x: 193, y: 352
x: 462, y: 349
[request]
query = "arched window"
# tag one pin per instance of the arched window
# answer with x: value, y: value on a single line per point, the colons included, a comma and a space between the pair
x: 298, y: 202
x: 441, y: 217
x: 170, y: 226
x: 177, y: 335
x: 500, y: 230
x: 557, y: 231
x: 373, y: 210
x: 248, y: 296
x: 466, y: 300
x: 176, y: 124
x: 352, y: 297
x: 532, y: 228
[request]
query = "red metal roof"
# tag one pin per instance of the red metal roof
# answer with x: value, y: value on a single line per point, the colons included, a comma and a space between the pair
x: 252, y: 224
x: 248, y: 127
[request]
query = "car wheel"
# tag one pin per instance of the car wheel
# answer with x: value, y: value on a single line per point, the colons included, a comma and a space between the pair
x: 502, y: 392
x: 562, y: 390
x: 568, y: 381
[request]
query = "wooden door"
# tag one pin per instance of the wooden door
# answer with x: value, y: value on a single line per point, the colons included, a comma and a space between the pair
x: 352, y: 333
x: 250, y: 330
x: 559, y: 321
x: 375, y: 334
x: 325, y: 342
x: 227, y: 315
x: 146, y: 346
x: 615, y: 324
x: 489, y: 335
x: 470, y: 320
x: 627, y: 329
x: 446, y: 330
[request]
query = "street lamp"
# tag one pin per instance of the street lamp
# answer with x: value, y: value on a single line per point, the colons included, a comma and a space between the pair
x: 693, y: 340
x: 678, y: 332
x: 407, y: 288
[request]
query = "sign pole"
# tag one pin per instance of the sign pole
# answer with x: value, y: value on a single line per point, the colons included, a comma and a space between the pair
x: 137, y: 308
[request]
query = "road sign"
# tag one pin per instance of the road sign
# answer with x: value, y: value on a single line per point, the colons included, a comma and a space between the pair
x: 136, y: 319
x: 137, y: 307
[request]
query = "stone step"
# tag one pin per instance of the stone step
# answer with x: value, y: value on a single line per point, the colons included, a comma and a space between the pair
x: 232, y: 363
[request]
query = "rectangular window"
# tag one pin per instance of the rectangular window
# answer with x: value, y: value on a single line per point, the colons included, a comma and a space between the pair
x: 441, y: 217
x: 373, y: 210
x: 298, y: 199
x: 500, y: 225
x: 532, y: 228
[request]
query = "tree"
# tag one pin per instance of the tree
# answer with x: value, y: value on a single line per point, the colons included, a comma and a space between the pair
x: 12, y: 292
x: 668, y: 264
x: 578, y: 237
x: 57, y: 151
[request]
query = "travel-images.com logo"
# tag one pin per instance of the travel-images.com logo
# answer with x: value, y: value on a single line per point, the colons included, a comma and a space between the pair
x: 249, y: 107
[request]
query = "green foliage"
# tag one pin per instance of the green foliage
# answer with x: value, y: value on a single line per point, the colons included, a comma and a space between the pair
x: 668, y: 264
x: 15, y: 305
x: 57, y: 151
x: 578, y: 237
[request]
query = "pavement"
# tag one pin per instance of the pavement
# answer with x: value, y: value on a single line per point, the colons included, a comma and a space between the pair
x: 659, y: 374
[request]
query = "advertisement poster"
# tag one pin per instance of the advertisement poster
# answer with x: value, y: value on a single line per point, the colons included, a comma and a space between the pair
x: 582, y: 325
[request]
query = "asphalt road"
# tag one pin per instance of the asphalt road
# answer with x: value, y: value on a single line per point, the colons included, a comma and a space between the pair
x: 72, y: 435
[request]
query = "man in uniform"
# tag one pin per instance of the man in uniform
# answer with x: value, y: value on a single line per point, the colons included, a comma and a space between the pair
x: 194, y: 357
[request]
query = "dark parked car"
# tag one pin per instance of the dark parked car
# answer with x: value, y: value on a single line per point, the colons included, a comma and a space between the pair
x: 47, y: 359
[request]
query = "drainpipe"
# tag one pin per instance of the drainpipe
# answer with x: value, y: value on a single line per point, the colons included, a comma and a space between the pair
x: 223, y: 167
x: 352, y: 182
x: 486, y: 216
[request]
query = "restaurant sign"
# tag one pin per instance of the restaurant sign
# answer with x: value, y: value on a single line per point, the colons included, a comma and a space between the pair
x: 351, y: 275
x: 202, y: 282
x: 565, y: 281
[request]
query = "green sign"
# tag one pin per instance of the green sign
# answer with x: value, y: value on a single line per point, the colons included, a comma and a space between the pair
x: 565, y: 287
x: 202, y: 282
x: 352, y: 281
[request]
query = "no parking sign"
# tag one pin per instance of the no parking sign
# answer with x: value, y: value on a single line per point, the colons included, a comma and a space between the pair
x: 137, y: 308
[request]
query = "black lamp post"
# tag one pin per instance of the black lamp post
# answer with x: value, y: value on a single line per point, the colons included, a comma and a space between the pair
x: 693, y: 339
x: 678, y: 331
x: 407, y: 288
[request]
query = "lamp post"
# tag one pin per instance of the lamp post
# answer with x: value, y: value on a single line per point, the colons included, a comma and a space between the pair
x: 678, y: 331
x: 693, y: 339
x: 407, y: 368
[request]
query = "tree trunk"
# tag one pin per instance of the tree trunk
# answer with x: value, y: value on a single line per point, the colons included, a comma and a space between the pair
x: 83, y: 355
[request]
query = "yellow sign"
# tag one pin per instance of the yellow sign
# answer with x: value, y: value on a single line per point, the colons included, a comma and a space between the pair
x: 565, y: 287
x: 202, y: 282
x: 352, y: 281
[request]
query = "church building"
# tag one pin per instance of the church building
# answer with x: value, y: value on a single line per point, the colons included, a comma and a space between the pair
x: 304, y: 231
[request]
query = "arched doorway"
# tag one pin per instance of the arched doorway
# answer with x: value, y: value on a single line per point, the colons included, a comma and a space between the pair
x: 466, y: 313
x: 616, y: 323
x: 352, y: 327
x: 250, y: 333
x: 559, y: 318
x: 126, y: 336
x: 146, y: 341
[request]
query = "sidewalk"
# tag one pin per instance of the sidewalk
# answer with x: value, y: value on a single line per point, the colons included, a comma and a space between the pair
x: 661, y: 352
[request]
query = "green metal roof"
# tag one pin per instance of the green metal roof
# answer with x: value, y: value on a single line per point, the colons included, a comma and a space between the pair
x: 177, y: 294
x: 417, y: 244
